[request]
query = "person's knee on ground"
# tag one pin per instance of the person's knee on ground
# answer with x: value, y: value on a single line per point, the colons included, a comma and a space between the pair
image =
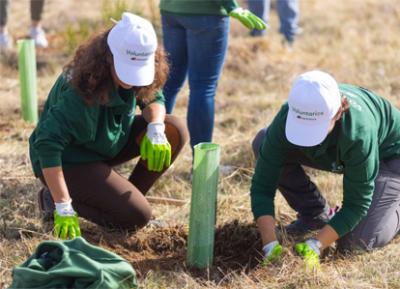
x: 130, y: 216
x: 366, y: 236
x: 136, y: 218
x: 354, y: 242
x: 382, y: 222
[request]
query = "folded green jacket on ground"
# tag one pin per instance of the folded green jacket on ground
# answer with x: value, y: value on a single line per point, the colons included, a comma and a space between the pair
x: 73, y: 264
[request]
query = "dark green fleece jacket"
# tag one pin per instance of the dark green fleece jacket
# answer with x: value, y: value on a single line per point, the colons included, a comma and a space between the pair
x: 70, y: 131
x: 367, y: 133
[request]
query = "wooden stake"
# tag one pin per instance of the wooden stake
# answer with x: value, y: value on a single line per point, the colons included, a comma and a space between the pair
x: 166, y: 201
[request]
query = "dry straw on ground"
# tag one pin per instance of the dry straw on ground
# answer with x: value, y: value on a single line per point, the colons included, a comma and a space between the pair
x: 358, y: 41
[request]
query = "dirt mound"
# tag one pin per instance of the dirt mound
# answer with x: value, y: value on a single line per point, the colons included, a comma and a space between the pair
x: 237, y: 248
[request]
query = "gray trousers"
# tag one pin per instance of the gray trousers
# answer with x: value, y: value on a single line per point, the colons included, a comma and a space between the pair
x: 376, y: 229
x: 36, y: 10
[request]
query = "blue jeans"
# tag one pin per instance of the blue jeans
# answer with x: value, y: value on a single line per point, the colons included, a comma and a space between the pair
x: 288, y: 12
x: 196, y: 46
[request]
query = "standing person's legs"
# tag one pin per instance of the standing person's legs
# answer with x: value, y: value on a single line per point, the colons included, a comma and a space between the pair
x: 299, y: 191
x: 174, y: 37
x: 288, y: 11
x: 37, y: 33
x: 261, y: 9
x: 382, y: 222
x: 4, y: 9
x: 36, y: 11
x: 5, y: 39
x: 141, y: 177
x: 207, y: 42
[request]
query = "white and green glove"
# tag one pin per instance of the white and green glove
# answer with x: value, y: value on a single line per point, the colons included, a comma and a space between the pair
x: 66, y: 222
x: 272, y: 252
x: 310, y: 251
x: 155, y: 147
x: 248, y: 19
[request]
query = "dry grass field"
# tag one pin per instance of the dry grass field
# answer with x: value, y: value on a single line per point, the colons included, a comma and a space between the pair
x: 358, y: 41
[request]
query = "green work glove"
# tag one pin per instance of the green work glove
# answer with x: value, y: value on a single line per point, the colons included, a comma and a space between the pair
x: 310, y: 252
x: 248, y: 19
x: 155, y: 147
x: 66, y: 223
x: 272, y: 252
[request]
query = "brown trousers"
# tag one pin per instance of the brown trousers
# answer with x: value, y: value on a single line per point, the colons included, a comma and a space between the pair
x: 106, y: 198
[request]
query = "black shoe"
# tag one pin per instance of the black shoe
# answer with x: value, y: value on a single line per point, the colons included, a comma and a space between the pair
x: 46, y: 205
x: 305, y: 224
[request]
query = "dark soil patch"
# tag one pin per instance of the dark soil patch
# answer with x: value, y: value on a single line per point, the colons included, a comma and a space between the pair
x: 237, y: 249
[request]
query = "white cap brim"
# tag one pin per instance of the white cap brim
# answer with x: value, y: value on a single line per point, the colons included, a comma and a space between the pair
x: 305, y: 135
x: 135, y: 74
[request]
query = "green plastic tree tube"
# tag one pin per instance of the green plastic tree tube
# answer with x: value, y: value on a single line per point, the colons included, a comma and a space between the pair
x: 27, y: 79
x: 200, y: 250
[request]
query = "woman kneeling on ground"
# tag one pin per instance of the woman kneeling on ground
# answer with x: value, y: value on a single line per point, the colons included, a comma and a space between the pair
x: 89, y: 125
x: 343, y: 129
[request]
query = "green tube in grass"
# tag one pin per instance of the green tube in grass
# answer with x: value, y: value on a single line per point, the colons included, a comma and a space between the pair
x: 27, y: 79
x: 202, y: 221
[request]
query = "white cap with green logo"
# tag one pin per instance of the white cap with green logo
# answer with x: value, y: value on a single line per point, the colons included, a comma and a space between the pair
x: 133, y: 43
x: 313, y: 102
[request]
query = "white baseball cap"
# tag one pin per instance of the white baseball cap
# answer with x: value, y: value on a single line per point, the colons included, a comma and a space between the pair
x: 313, y: 102
x: 133, y: 43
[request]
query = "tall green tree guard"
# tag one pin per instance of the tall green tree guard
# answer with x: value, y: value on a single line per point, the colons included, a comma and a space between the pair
x: 27, y: 79
x: 203, y: 205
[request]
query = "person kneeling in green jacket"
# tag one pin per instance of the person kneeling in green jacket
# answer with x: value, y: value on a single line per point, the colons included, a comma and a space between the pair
x: 89, y: 125
x: 343, y: 129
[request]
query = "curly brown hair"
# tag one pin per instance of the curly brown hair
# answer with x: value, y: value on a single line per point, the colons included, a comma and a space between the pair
x: 90, y: 71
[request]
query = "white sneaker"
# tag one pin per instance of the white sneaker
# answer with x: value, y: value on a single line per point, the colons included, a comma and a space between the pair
x: 299, y: 31
x: 5, y: 41
x: 39, y: 36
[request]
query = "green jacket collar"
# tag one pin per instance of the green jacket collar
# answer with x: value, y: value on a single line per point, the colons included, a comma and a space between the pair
x: 121, y: 100
x: 330, y: 140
